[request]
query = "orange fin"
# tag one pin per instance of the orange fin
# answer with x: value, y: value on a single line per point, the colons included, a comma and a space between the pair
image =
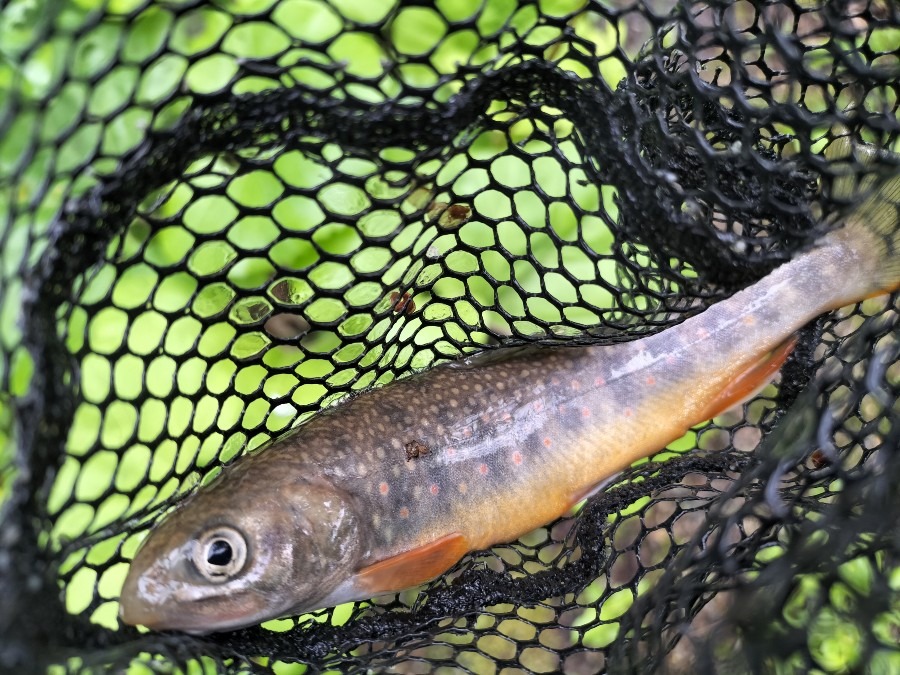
x: 414, y: 567
x: 750, y: 382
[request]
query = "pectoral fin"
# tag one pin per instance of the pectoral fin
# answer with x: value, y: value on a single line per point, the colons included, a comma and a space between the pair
x: 413, y: 567
x: 750, y: 382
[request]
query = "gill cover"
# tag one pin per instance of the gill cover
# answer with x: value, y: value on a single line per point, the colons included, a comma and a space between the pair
x: 243, y: 551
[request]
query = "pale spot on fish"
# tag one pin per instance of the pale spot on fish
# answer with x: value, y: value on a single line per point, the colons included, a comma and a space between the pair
x: 538, y: 406
x: 576, y: 385
x: 505, y: 417
x: 599, y: 382
x: 450, y: 451
x: 463, y: 488
x: 404, y: 512
x: 467, y: 432
x: 585, y: 412
x: 749, y: 320
x: 702, y: 333
x: 628, y: 412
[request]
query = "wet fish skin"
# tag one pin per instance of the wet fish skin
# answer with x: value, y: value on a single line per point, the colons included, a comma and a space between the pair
x: 335, y: 511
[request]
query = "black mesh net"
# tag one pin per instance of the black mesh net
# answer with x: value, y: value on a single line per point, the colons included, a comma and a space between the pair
x: 218, y: 218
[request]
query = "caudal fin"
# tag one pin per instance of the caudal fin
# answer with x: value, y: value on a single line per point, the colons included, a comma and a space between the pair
x: 874, y: 223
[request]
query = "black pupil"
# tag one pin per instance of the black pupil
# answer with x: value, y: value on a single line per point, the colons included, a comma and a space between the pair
x: 219, y: 553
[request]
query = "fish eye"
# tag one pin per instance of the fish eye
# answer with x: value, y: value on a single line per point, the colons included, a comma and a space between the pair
x: 220, y: 554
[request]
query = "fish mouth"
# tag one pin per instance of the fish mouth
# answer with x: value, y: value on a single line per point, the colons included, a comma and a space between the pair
x: 183, y: 619
x: 196, y: 616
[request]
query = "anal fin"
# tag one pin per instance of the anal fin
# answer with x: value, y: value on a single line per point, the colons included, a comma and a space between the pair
x: 413, y: 567
x: 750, y: 382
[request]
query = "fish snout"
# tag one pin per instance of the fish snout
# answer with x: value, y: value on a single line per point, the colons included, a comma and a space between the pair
x: 133, y: 610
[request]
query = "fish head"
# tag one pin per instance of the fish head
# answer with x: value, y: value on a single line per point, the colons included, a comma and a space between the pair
x: 252, y: 547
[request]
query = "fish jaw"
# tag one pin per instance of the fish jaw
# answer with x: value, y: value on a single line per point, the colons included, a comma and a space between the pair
x: 182, y: 608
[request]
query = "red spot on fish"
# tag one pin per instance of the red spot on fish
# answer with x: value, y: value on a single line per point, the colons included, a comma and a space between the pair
x: 483, y: 469
x: 585, y: 412
x: 506, y: 417
x: 538, y: 405
x: 548, y: 442
x: 450, y: 452
x: 384, y: 488
x: 517, y: 457
x: 702, y: 333
x: 627, y: 412
x: 554, y: 381
x: 435, y: 489
x: 467, y: 432
x: 599, y: 381
x: 651, y: 380
x: 404, y: 512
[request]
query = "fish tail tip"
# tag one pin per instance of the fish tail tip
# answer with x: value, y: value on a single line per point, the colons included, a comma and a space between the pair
x: 874, y: 222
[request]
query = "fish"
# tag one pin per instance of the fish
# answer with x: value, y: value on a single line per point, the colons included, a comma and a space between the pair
x: 391, y: 488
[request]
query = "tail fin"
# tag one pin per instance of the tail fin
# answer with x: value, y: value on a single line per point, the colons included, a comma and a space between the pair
x: 875, y: 222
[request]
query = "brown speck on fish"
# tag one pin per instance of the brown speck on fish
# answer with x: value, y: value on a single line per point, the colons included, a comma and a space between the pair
x: 415, y: 449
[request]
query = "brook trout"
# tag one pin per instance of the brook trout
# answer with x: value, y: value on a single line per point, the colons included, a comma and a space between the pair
x: 392, y: 487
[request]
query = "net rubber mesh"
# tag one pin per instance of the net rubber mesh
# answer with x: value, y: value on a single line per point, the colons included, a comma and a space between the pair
x: 216, y: 219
